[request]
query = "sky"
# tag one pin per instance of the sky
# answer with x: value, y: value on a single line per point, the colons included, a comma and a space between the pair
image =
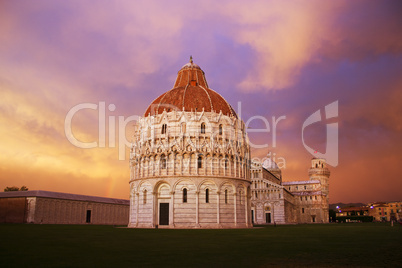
x: 268, y: 59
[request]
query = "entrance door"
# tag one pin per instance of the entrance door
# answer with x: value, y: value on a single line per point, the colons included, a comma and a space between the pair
x: 164, y: 214
x: 252, y: 216
x: 88, y: 219
x: 268, y: 217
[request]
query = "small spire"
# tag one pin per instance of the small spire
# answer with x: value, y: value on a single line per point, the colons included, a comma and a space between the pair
x: 191, y: 59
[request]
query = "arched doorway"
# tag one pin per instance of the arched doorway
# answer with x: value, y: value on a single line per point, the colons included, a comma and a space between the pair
x: 267, y: 211
x: 163, y: 205
x: 163, y: 213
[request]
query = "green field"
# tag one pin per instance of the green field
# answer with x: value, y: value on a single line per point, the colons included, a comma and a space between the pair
x: 331, y: 245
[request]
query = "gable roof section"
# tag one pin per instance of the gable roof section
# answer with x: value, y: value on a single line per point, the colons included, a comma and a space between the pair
x: 64, y: 196
x: 299, y: 182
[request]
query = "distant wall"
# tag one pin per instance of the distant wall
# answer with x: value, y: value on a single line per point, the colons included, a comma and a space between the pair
x: 12, y: 210
x: 58, y: 211
x: 42, y: 210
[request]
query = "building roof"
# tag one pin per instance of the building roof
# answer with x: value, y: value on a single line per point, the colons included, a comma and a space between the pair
x: 303, y: 193
x: 299, y: 182
x: 190, y: 93
x: 57, y: 195
x: 270, y: 164
x: 348, y: 209
x: 384, y: 204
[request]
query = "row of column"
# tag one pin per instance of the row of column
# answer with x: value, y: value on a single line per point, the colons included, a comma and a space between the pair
x: 147, y: 168
x: 197, y: 222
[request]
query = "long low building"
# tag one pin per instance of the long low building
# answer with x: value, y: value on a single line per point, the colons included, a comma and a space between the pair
x: 61, y: 208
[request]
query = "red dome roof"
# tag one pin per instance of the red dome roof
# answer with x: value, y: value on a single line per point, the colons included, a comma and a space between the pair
x: 190, y: 93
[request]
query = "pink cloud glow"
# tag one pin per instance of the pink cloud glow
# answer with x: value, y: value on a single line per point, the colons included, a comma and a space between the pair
x: 278, y: 58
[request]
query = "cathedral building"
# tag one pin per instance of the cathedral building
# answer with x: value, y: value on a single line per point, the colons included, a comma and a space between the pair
x: 190, y: 167
x: 275, y: 201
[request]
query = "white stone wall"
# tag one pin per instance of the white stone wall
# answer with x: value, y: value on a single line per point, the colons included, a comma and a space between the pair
x: 223, y: 153
x: 290, y: 202
x: 59, y: 211
x: 311, y: 206
x: 194, y: 151
x: 31, y: 202
x: 267, y: 196
x: 227, y: 204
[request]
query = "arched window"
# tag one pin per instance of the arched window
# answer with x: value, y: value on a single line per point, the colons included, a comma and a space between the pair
x: 207, y: 196
x: 199, y: 162
x: 226, y: 196
x: 145, y: 196
x: 220, y: 129
x: 316, y: 165
x: 184, y: 195
x: 164, y: 128
x: 163, y: 162
x: 183, y: 128
x: 240, y: 198
x: 226, y: 164
x: 202, y: 128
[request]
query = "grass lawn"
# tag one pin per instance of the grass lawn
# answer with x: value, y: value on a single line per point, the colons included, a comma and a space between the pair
x: 331, y: 245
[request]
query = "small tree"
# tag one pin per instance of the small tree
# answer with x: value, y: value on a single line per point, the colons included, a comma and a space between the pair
x: 15, y: 188
x: 11, y: 189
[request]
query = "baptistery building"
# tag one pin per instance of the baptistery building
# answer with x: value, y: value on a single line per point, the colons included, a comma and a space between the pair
x: 190, y: 160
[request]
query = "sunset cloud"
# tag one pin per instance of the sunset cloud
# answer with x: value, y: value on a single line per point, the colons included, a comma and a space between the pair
x: 278, y: 58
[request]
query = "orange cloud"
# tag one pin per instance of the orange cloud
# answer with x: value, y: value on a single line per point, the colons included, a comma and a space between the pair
x: 56, y: 55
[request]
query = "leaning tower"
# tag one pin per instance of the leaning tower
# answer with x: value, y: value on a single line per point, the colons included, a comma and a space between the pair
x: 319, y: 171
